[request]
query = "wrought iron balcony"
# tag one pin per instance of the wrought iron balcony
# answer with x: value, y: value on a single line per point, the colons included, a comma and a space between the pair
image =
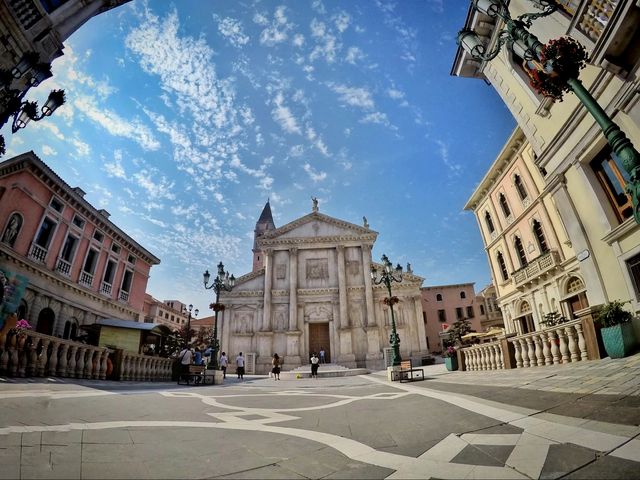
x: 539, y: 267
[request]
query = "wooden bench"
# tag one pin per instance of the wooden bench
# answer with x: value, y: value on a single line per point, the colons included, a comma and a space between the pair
x: 407, y: 373
x: 195, y: 375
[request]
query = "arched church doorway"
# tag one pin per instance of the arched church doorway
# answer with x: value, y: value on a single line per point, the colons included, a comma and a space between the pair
x: 319, y: 340
x: 46, y: 319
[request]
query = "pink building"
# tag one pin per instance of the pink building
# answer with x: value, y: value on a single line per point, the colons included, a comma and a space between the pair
x: 443, y: 305
x: 79, y: 266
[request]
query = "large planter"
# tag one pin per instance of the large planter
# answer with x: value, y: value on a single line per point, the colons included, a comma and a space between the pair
x: 451, y: 363
x: 619, y: 340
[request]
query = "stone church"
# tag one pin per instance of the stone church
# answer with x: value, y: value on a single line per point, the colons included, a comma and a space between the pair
x: 311, y: 289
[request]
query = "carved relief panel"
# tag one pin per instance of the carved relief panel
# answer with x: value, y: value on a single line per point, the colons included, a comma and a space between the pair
x: 280, y: 318
x: 317, y: 269
x: 318, y: 312
x: 243, y: 321
x: 281, y: 271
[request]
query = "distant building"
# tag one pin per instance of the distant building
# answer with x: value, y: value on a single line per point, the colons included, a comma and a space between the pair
x: 443, y: 305
x: 79, y: 267
x: 490, y: 313
x: 172, y: 313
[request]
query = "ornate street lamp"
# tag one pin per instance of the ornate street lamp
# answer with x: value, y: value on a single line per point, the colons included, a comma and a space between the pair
x: 553, y: 68
x: 188, y: 310
x: 11, y: 103
x: 226, y: 282
x: 387, y: 276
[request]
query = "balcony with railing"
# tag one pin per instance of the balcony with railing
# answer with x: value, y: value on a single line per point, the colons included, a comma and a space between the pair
x: 124, y: 296
x: 544, y: 264
x: 105, y: 289
x: 595, y: 17
x: 86, y: 279
x: 37, y: 253
x: 63, y: 267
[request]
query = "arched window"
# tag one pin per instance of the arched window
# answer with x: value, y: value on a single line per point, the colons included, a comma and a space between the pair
x: 481, y: 309
x: 522, y: 257
x: 503, y: 266
x: 463, y: 295
x: 489, y: 222
x: 539, y: 234
x: 522, y: 192
x: 438, y: 297
x: 504, y: 205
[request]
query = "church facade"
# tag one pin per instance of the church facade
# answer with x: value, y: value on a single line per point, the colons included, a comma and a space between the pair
x: 311, y: 289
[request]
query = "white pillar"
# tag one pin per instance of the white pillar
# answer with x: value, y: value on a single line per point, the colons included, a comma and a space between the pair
x: 268, y: 275
x: 293, y: 288
x: 422, y: 336
x: 342, y: 289
x: 368, y: 287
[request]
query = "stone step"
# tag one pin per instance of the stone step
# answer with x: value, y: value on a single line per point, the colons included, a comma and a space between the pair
x: 325, y: 366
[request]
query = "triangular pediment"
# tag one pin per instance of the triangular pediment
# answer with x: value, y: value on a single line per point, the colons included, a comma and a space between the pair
x: 319, y: 226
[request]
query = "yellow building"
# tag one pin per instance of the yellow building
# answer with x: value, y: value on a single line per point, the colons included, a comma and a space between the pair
x: 580, y: 177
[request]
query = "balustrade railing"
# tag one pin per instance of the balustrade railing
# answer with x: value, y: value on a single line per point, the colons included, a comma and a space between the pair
x: 86, y: 279
x: 562, y: 343
x: 105, y: 289
x: 33, y: 354
x: 124, y: 296
x: 37, y: 253
x: 63, y: 267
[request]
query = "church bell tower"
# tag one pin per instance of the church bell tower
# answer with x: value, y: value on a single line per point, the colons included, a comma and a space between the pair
x: 264, y: 223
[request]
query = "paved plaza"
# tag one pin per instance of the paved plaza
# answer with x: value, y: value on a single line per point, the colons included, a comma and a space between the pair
x: 573, y: 421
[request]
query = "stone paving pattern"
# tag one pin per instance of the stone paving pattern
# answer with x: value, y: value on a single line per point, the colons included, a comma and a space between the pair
x: 570, y: 421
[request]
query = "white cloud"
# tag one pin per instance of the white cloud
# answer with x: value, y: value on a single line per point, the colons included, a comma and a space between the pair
x: 231, y: 29
x: 395, y: 94
x: 354, y: 54
x: 298, y: 40
x: 115, y: 168
x: 116, y: 125
x: 277, y: 31
x: 283, y: 115
x: 314, y: 175
x: 342, y: 21
x: 327, y: 44
x: 357, y: 97
x: 296, y: 151
x: 47, y: 150
x: 161, y: 189
x: 406, y: 36
x: 454, y: 168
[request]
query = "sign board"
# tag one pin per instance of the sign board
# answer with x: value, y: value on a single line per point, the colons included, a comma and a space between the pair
x: 126, y: 338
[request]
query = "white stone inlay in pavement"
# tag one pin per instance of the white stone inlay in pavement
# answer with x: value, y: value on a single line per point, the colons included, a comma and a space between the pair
x: 491, y: 439
x: 629, y: 451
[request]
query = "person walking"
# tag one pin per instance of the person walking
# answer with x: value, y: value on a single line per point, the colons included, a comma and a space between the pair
x: 321, y: 354
x: 275, y: 362
x: 224, y: 361
x: 240, y: 366
x: 315, y: 361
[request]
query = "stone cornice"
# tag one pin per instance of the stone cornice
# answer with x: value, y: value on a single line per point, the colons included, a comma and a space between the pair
x: 324, y: 218
x: 249, y: 276
x: 317, y: 291
x: 319, y: 242
x: 55, y: 279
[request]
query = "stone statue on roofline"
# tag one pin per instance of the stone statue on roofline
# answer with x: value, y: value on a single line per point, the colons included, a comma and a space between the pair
x: 314, y: 207
x: 365, y: 224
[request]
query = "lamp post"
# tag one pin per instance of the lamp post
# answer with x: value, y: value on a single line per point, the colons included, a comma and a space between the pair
x: 188, y: 310
x: 387, y: 276
x: 11, y: 103
x: 549, y: 63
x: 222, y: 282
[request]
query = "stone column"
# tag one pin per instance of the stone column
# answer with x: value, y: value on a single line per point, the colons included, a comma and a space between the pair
x: 293, y: 289
x: 368, y: 287
x: 268, y: 279
x: 422, y: 336
x: 342, y: 288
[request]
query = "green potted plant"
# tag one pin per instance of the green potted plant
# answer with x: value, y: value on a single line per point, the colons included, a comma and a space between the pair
x: 617, y: 330
x: 451, y: 358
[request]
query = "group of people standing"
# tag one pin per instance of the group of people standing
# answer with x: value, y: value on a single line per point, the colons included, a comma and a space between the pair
x: 224, y: 363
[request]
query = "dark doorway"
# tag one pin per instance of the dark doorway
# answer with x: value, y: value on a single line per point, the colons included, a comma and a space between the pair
x: 46, y: 318
x: 319, y: 339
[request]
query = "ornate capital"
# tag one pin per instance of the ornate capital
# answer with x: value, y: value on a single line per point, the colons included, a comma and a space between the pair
x: 293, y: 251
x: 340, y: 248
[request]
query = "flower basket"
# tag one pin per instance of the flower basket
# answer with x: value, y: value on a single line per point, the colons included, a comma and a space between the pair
x: 619, y: 340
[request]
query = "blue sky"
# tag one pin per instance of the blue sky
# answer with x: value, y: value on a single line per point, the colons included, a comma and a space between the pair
x: 183, y: 118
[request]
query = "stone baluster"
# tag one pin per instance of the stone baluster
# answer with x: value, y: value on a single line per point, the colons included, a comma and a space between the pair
x: 88, y: 363
x: 135, y: 371
x: 538, y: 339
x: 564, y: 351
x: 44, y: 356
x: 103, y: 364
x: 485, y: 359
x: 80, y: 362
x: 63, y: 361
x: 573, y: 347
x: 473, y: 359
x: 13, y: 356
x: 32, y: 362
x: 531, y: 350
x: 553, y: 342
x: 146, y: 369
x: 478, y: 356
x: 97, y: 363
x: 492, y: 355
x: 71, y: 366
x: 525, y: 352
x: 4, y: 358
x: 130, y: 367
x: 23, y: 357
x: 498, y: 349
x: 546, y: 351
x: 582, y: 344
x: 123, y: 367
x: 518, y: 353
x: 53, y: 358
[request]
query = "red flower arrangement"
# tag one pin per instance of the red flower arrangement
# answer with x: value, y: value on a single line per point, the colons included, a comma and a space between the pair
x: 216, y: 307
x: 391, y: 301
x: 560, y: 60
